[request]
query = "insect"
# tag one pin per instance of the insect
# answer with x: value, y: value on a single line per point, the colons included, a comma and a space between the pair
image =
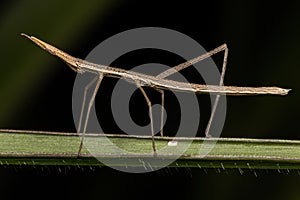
x: 159, y: 83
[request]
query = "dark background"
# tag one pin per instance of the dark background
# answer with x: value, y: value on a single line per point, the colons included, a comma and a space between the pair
x: 36, y: 89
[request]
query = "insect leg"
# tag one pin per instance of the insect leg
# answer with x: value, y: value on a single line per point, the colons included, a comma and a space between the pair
x: 162, y: 111
x: 150, y: 114
x: 87, y: 87
x: 198, y: 59
x: 188, y: 63
x: 214, y: 108
x: 88, y: 111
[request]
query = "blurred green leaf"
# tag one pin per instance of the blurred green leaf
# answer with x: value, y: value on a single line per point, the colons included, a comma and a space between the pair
x: 22, y: 70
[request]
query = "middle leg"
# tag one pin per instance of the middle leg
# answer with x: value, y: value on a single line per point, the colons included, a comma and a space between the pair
x: 162, y: 111
x: 150, y: 114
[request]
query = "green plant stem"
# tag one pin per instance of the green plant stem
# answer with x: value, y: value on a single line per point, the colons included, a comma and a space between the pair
x: 19, y: 147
